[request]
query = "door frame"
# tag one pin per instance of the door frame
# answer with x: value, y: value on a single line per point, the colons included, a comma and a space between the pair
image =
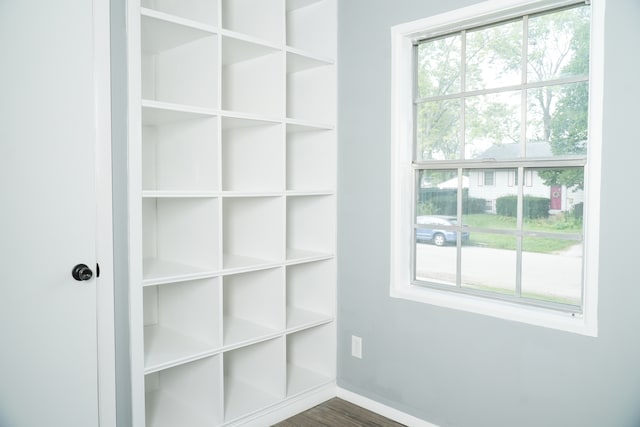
x: 105, y: 327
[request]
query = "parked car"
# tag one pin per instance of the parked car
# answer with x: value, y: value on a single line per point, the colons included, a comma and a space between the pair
x: 434, y: 233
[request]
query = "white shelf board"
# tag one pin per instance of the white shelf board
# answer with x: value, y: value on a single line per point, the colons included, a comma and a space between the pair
x: 296, y: 125
x: 298, y: 61
x: 240, y: 331
x: 242, y: 399
x: 235, y: 120
x: 304, y: 193
x: 300, y: 380
x: 251, y: 194
x: 298, y: 318
x: 297, y: 256
x: 175, y: 19
x: 165, y: 347
x: 186, y: 194
x: 297, y: 4
x: 237, y: 47
x: 161, y: 31
x: 236, y: 263
x: 159, y: 271
x: 166, y: 410
x: 156, y: 112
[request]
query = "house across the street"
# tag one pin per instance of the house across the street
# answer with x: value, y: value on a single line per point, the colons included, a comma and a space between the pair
x: 491, y: 184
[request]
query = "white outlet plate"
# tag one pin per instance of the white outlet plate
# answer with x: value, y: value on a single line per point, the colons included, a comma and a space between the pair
x: 356, y: 346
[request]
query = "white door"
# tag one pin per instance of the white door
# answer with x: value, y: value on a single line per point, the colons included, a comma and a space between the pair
x: 48, y: 347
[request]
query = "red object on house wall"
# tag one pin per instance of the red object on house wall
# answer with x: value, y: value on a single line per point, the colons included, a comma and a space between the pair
x: 556, y: 197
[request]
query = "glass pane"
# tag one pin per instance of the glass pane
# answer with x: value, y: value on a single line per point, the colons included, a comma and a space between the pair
x: 436, y: 264
x: 557, y: 120
x: 558, y: 44
x: 494, y: 56
x: 438, y: 130
x: 489, y: 263
x: 490, y: 198
x: 437, y: 193
x: 439, y: 66
x: 553, y: 200
x: 492, y: 126
x: 552, y: 270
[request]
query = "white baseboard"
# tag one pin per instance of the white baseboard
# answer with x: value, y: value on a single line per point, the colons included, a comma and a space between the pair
x: 296, y: 405
x: 384, y: 410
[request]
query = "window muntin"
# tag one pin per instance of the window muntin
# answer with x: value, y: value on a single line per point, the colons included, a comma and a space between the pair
x: 522, y: 107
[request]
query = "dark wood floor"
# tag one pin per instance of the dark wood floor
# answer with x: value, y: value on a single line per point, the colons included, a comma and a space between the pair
x: 338, y: 413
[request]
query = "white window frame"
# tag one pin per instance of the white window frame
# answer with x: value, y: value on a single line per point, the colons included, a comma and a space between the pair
x: 402, y: 175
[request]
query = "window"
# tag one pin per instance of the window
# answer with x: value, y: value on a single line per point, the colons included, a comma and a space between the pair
x: 489, y: 178
x: 513, y: 89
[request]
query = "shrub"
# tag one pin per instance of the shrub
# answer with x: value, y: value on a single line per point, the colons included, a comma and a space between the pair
x: 577, y: 211
x: 507, y: 206
x: 534, y: 207
x: 474, y: 205
x: 444, y: 202
x: 437, y: 202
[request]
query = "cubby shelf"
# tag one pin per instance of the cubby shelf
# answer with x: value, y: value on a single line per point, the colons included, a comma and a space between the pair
x: 310, y: 225
x: 180, y: 238
x: 310, y: 299
x: 252, y: 156
x: 187, y: 395
x: 180, y: 321
x: 163, y: 31
x: 305, y: 19
x: 254, y: 378
x: 233, y: 207
x: 310, y: 155
x: 253, y: 305
x: 253, y: 231
x: 179, y: 63
x: 265, y: 21
x: 307, y: 96
x: 309, y: 359
x: 180, y: 158
x: 252, y: 77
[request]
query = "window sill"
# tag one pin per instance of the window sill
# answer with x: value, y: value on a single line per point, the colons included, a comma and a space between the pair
x: 578, y: 324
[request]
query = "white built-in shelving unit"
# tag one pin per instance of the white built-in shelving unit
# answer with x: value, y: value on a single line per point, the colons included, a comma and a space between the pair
x: 232, y: 207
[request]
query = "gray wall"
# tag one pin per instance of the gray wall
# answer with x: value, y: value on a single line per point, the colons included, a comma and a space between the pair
x: 460, y: 369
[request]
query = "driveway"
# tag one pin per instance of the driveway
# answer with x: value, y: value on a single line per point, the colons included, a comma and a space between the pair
x: 555, y: 275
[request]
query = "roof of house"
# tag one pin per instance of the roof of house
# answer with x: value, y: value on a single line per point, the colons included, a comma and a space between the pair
x: 512, y: 151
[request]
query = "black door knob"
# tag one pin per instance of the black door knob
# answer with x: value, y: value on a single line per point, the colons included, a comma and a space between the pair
x: 81, y: 273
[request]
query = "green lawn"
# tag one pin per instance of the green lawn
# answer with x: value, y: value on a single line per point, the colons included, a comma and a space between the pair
x: 558, y: 224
